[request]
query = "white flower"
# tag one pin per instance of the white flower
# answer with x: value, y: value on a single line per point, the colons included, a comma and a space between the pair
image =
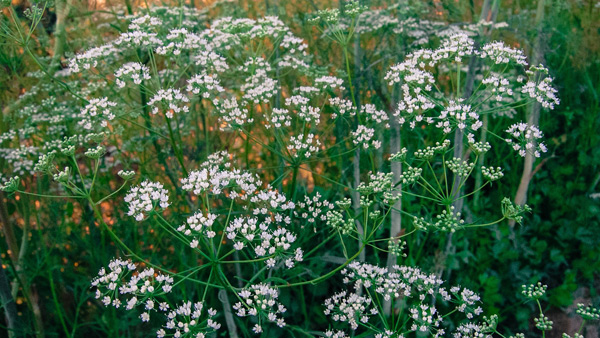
x: 525, y: 139
x: 169, y: 100
x: 301, y: 147
x: 145, y: 198
x: 97, y: 110
x: 363, y: 136
x: 132, y: 71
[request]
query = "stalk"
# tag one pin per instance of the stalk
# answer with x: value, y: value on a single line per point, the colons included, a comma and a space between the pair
x: 533, y: 115
x: 458, y: 201
x: 396, y: 217
x: 157, y: 147
x: 62, y: 7
x: 480, y: 161
x: 10, y: 308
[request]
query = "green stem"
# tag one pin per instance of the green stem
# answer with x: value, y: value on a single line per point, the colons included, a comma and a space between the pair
x: 56, y: 304
x: 177, y: 150
x: 327, y: 275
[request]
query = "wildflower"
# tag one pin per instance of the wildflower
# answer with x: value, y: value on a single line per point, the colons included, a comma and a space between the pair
x: 126, y: 174
x: 364, y: 136
x: 313, y: 209
x: 97, y: 109
x: 259, y: 87
x: 198, y: 224
x: 525, y: 139
x: 459, y: 116
x: 187, y: 320
x: 204, y: 84
x: 541, y: 90
x: 328, y: 82
x: 171, y: 100
x: 492, y: 174
x: 500, y: 53
x: 260, y: 300
x: 233, y: 113
x: 145, y: 198
x: 279, y: 118
x: 132, y: 71
x: 342, y: 107
x: 300, y: 147
x: 11, y: 185
x: 352, y: 309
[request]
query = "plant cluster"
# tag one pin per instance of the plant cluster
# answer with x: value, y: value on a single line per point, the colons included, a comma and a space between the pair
x: 254, y: 170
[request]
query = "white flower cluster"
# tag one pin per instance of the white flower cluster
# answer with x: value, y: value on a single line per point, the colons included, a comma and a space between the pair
x: 185, y: 321
x: 373, y: 20
x: 460, y: 167
x: 142, y: 287
x: 293, y: 62
x: 401, y: 280
x: 313, y: 209
x: 20, y: 158
x: 499, y: 87
x: 301, y: 147
x: 425, y: 319
x: 249, y: 232
x: 232, y: 114
x: 205, y: 85
x: 170, y: 100
x: 363, y: 136
x: 457, y: 115
x: 341, y: 107
x: 541, y: 90
x: 466, y: 301
x: 491, y: 173
x: 375, y: 115
x: 415, y: 82
x: 378, y: 183
x: 144, y: 22
x: 138, y: 39
x: 500, y: 53
x: 279, y: 118
x: 336, y: 334
x: 525, y: 139
x: 179, y: 16
x: 243, y: 230
x: 270, y: 198
x: 307, y: 91
x: 132, y: 71
x: 472, y: 330
x: 277, y: 243
x: 97, y: 109
x: 90, y: 58
x: 455, y: 48
x: 413, y: 285
x: 259, y: 87
x: 198, y: 224
x: 145, y: 198
x: 305, y: 112
x: 265, y: 232
x: 214, y: 178
x: 296, y: 100
x: 352, y: 309
x: 293, y: 44
x: 329, y: 82
x: 260, y: 301
x: 180, y: 39
x: 310, y: 114
x: 417, y: 79
x: 211, y: 61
